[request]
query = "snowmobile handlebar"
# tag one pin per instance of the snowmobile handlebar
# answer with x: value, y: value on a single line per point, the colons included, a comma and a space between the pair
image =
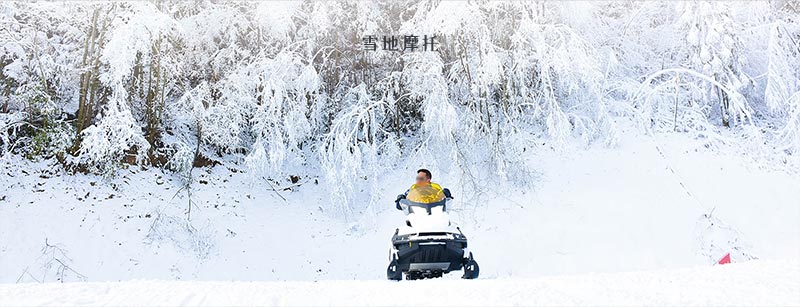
x: 427, y: 207
x: 397, y: 201
x: 447, y: 195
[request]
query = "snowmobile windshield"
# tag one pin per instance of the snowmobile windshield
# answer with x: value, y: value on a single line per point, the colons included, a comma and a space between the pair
x: 426, y: 195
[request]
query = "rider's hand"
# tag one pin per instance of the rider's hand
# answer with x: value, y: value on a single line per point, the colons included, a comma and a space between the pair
x: 397, y: 201
x: 447, y: 193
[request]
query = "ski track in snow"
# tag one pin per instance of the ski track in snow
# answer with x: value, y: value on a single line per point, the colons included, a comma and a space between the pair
x: 757, y: 283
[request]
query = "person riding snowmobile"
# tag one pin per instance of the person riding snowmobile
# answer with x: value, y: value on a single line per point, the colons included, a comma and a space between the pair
x: 428, y: 245
x: 433, y: 193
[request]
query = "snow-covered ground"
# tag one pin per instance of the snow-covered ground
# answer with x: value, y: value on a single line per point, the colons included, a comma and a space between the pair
x: 650, y: 203
x: 575, y: 138
x: 755, y: 283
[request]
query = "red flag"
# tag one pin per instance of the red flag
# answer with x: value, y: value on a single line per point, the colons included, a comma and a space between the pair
x: 726, y: 259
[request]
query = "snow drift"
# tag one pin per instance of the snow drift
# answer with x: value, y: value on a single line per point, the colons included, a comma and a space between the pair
x: 756, y: 283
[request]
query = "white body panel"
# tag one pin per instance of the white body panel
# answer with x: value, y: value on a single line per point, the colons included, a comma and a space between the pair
x: 422, y: 222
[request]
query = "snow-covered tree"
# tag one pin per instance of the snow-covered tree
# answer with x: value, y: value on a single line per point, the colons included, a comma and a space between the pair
x: 283, y: 88
x: 357, y: 148
x: 783, y: 78
x: 716, y: 51
x: 136, y: 36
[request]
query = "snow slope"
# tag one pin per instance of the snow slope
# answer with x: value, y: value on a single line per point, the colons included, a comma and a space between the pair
x: 648, y: 203
x: 756, y: 283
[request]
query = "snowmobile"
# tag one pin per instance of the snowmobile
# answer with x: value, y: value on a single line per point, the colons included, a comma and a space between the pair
x: 428, y: 246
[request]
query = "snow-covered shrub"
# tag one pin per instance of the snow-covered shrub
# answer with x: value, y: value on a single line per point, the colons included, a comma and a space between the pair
x: 136, y: 35
x: 791, y: 132
x: 36, y: 70
x: 783, y: 81
x: 284, y: 88
x: 41, y: 129
x: 425, y: 82
x: 715, y: 51
x: 708, y: 88
x: 181, y: 234
x: 557, y: 82
x: 10, y: 125
x: 356, y: 150
x: 115, y: 136
x: 186, y: 120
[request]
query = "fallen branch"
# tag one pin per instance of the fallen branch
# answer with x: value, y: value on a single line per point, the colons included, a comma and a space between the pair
x: 272, y: 188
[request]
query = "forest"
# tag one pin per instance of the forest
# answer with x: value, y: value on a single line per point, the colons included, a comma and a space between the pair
x: 280, y: 89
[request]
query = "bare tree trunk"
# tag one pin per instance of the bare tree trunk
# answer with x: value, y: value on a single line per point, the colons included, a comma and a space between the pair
x: 90, y: 65
x: 86, y: 76
x: 724, y: 108
x: 94, y: 103
x: 154, y: 99
x: 7, y: 94
x: 675, y: 120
